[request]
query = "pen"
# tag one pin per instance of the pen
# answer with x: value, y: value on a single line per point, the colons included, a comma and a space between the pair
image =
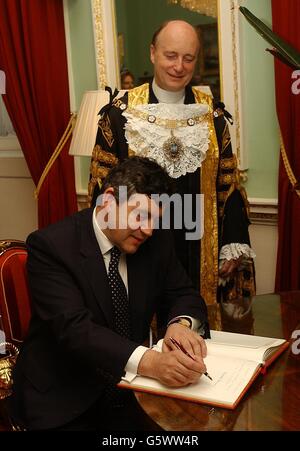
x: 179, y: 346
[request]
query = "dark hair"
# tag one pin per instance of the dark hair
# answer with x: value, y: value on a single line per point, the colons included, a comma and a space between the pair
x: 163, y: 25
x: 125, y: 73
x: 140, y: 175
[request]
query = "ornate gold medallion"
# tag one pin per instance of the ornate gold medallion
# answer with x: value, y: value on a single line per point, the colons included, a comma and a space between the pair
x: 173, y: 147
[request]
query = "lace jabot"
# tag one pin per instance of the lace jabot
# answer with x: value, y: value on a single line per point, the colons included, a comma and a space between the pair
x: 177, y: 137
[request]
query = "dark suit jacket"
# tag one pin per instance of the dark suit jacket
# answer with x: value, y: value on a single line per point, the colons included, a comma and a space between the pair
x: 71, y: 350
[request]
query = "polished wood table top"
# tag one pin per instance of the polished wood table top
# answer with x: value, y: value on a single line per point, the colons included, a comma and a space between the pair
x: 273, y: 401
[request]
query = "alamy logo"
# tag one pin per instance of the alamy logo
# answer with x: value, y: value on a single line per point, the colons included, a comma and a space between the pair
x: 179, y: 212
x: 2, y: 82
x: 296, y: 84
x: 296, y: 343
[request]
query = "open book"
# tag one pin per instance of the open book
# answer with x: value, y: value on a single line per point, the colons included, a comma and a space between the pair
x: 233, y: 361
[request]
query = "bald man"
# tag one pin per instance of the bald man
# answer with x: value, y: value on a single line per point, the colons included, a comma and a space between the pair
x: 173, y: 52
x: 176, y: 125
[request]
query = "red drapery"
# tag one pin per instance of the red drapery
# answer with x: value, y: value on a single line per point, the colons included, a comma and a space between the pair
x: 286, y: 23
x: 33, y: 57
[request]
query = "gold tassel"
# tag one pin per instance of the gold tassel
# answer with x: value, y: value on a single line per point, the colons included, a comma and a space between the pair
x: 287, y: 166
x: 67, y: 133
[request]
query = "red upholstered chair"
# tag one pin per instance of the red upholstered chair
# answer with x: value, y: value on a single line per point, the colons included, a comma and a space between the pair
x: 15, y: 304
x: 15, y: 308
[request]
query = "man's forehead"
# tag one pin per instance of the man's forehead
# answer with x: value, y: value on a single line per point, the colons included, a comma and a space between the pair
x: 144, y: 202
x: 174, y: 30
x: 141, y: 199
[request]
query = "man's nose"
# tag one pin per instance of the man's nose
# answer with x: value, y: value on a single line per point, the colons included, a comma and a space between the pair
x: 179, y: 65
x: 147, y: 231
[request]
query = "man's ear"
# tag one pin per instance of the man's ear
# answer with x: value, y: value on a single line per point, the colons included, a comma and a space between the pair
x: 108, y: 196
x: 106, y: 199
x: 152, y: 52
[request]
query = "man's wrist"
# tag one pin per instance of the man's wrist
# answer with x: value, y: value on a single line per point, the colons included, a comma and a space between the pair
x: 181, y: 320
x: 147, y: 363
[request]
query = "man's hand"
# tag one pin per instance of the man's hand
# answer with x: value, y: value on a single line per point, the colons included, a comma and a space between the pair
x: 229, y: 267
x: 190, y: 340
x: 173, y: 368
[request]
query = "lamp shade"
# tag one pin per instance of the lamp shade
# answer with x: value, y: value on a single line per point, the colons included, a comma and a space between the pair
x: 85, y: 131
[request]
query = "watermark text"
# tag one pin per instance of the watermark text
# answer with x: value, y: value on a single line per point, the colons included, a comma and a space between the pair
x: 2, y: 82
x: 296, y: 343
x: 296, y: 83
x: 157, y: 211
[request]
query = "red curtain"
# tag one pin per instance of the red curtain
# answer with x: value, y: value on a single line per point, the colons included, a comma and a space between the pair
x: 33, y: 57
x: 286, y: 23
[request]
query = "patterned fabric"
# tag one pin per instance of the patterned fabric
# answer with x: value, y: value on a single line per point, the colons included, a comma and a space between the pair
x: 118, y: 295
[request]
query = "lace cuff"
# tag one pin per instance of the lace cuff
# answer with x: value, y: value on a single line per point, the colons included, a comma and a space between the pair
x: 235, y: 250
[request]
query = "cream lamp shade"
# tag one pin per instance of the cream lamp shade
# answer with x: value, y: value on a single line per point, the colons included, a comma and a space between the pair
x: 85, y: 131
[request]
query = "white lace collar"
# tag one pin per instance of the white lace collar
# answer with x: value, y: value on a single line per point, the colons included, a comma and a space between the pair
x: 176, y: 136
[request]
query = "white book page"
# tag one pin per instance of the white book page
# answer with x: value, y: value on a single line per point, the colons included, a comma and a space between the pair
x: 246, y: 341
x: 230, y: 377
x: 249, y: 347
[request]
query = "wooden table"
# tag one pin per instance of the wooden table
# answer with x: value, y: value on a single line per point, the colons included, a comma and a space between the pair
x: 273, y: 402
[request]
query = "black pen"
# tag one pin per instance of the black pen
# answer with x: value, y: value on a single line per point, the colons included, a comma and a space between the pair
x: 179, y: 346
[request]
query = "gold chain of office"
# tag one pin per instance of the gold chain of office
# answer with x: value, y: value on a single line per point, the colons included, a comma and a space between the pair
x: 168, y: 123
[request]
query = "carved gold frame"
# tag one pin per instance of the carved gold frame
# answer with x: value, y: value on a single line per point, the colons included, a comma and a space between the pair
x: 106, y: 47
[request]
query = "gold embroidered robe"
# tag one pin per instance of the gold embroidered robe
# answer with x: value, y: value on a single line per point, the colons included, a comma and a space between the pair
x: 225, y: 203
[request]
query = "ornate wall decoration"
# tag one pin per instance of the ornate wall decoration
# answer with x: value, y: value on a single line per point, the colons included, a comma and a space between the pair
x: 99, y: 43
x: 207, y: 7
x: 233, y: 6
